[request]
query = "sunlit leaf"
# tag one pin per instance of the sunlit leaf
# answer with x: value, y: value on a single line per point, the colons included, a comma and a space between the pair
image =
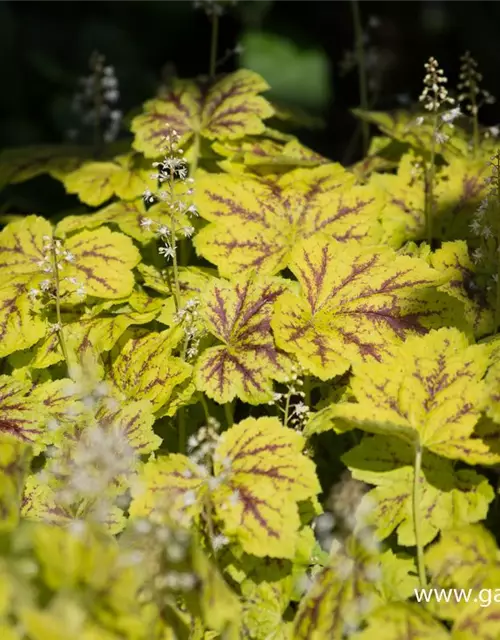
x: 260, y: 474
x: 452, y: 258
x: 238, y: 314
x: 403, y: 621
x: 256, y: 223
x: 230, y: 108
x: 144, y: 367
x: 97, y: 334
x: 21, y: 322
x: 463, y: 558
x: 355, y: 305
x: 15, y: 458
x: 341, y: 595
x: 103, y: 262
x: 21, y: 417
x: 448, y: 497
x: 429, y: 391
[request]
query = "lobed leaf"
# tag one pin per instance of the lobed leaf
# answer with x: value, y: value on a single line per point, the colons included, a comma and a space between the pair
x: 21, y: 417
x: 464, y: 558
x: 127, y: 176
x: 21, y: 322
x: 403, y: 621
x: 429, y: 391
x: 259, y: 476
x: 452, y: 259
x: 229, y: 108
x: 448, y: 498
x: 238, y: 314
x: 256, y: 223
x: 103, y: 261
x: 356, y: 304
x: 143, y: 366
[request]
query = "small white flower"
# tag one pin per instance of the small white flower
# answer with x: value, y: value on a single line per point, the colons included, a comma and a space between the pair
x: 146, y: 223
x: 45, y: 285
x: 477, y: 255
x: 188, y: 231
x: 33, y: 293
x: 441, y: 137
x: 166, y: 251
x: 450, y: 116
x: 486, y: 232
x: 68, y: 256
x: 219, y: 541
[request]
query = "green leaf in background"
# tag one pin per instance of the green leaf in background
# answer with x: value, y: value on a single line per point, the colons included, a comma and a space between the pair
x: 299, y: 76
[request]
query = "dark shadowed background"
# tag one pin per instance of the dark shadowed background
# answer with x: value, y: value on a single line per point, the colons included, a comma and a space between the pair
x: 301, y: 47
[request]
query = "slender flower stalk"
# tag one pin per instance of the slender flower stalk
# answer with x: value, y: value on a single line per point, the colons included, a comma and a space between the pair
x: 471, y: 95
x: 57, y: 298
x: 362, y: 71
x: 95, y: 104
x: 214, y: 9
x: 485, y: 226
x: 434, y: 96
x: 175, y: 191
x: 293, y: 403
x: 51, y: 290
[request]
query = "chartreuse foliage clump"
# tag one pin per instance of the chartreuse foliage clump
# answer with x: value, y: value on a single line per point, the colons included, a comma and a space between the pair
x: 247, y: 392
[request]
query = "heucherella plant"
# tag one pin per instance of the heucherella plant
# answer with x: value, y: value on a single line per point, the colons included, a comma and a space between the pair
x: 472, y: 95
x: 247, y: 392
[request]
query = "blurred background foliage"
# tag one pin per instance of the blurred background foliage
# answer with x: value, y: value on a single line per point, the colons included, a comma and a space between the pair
x: 303, y: 48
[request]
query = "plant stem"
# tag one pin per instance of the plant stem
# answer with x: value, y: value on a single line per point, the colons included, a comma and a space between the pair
x: 362, y: 75
x: 416, y: 519
x: 429, y: 195
x: 205, y: 407
x: 228, y: 412
x: 57, y: 282
x: 177, y: 296
x: 213, y: 45
x: 181, y: 422
x: 307, y: 390
x: 475, y: 127
x: 286, y: 417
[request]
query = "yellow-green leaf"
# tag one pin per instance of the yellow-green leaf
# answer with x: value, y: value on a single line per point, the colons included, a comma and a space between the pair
x: 403, y: 621
x: 429, y: 391
x: 238, y: 314
x: 22, y: 257
x: 230, y: 108
x: 95, y: 334
x: 103, y: 261
x: 452, y: 259
x: 404, y: 126
x: 21, y: 417
x: 128, y: 176
x: 92, y: 182
x: 448, y: 498
x: 463, y: 558
x: 355, y: 305
x: 341, y: 595
x: 21, y: 322
x: 15, y: 459
x: 259, y: 476
x: 143, y: 366
x: 23, y: 163
x: 256, y: 222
